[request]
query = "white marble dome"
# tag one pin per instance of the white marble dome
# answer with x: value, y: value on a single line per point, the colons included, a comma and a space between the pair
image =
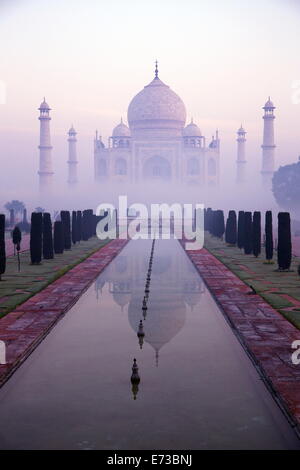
x: 121, y: 130
x: 191, y: 130
x: 156, y: 107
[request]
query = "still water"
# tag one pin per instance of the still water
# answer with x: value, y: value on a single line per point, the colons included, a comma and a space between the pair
x: 198, y: 389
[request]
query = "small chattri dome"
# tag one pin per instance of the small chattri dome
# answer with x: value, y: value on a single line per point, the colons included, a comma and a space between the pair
x: 269, y: 104
x: 191, y: 130
x: 44, y: 105
x: 241, y: 130
x: 72, y: 130
x: 121, y: 130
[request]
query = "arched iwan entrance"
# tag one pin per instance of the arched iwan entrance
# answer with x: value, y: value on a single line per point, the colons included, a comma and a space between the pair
x: 157, y: 168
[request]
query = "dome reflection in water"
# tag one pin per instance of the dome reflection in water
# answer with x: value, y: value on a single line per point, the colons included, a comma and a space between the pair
x: 166, y: 313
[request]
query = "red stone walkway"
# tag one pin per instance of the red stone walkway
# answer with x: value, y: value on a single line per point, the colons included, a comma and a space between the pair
x: 24, y: 328
x: 265, y: 334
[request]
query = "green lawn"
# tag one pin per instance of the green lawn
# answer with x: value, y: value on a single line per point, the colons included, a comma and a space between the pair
x: 16, y: 287
x: 270, y: 284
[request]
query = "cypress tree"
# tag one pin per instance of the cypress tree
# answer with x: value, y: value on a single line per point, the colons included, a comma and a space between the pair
x: 85, y: 232
x: 66, y: 220
x: 241, y: 229
x: 90, y: 219
x: 213, y: 222
x: 67, y: 236
x: 59, y: 241
x: 95, y: 221
x: 269, y: 236
x: 17, y: 237
x: 2, y: 245
x: 209, y: 215
x: 74, y: 227
x: 87, y: 224
x: 247, y: 233
x: 233, y: 234
x: 47, y: 237
x: 79, y: 226
x: 284, y: 247
x: 227, y: 229
x: 256, y: 234
x: 220, y: 224
x: 36, y: 231
x: 210, y: 220
x: 230, y: 231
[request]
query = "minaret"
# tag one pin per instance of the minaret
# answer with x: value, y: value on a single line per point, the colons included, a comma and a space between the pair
x: 241, y: 159
x: 268, y: 146
x: 45, y: 147
x: 72, y: 161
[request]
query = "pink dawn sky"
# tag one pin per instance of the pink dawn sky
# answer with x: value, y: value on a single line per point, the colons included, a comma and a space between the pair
x: 89, y: 58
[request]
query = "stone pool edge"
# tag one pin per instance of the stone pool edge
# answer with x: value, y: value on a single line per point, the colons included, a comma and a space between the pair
x: 24, y: 328
x: 263, y: 332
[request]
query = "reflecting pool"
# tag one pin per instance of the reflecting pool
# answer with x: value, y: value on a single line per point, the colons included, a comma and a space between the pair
x: 198, y: 388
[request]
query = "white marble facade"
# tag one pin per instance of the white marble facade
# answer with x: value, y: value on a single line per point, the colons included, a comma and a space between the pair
x: 157, y: 146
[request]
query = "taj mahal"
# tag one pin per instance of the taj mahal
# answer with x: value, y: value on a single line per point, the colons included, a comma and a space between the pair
x: 157, y: 145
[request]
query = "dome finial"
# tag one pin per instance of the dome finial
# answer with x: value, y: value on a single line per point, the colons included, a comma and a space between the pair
x: 156, y: 69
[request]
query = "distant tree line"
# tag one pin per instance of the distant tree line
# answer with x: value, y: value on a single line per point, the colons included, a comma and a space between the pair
x: 286, y: 186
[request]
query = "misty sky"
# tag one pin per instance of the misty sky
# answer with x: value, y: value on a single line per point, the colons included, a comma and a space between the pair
x: 90, y: 57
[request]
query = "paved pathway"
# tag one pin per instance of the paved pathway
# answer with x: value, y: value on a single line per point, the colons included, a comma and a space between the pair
x: 25, y: 327
x: 265, y: 334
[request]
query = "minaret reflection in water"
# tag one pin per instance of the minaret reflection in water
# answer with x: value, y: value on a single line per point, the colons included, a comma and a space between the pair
x: 135, y: 379
x: 141, y: 334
